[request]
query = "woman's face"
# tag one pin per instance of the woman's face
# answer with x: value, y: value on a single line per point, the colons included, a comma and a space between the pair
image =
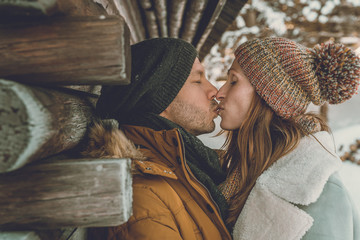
x: 235, y: 97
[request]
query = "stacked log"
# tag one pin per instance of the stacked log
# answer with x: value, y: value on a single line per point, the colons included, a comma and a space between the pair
x: 200, y: 22
x: 54, y: 56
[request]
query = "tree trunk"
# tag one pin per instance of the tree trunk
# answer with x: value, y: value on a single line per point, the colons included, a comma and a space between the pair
x: 66, y: 193
x: 37, y: 122
x: 66, y: 50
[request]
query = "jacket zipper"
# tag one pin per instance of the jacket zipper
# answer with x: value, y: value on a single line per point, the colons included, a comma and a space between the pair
x: 191, y: 174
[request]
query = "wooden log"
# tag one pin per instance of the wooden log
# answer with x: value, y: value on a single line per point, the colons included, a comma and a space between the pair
x: 66, y: 193
x: 192, y: 19
x: 151, y: 23
x: 57, y: 234
x: 37, y: 122
x: 130, y: 11
x: 109, y: 6
x: 228, y: 14
x: 19, y: 235
x: 80, y: 8
x: 202, y: 34
x: 176, y: 12
x: 161, y: 14
x: 67, y: 50
x: 27, y: 7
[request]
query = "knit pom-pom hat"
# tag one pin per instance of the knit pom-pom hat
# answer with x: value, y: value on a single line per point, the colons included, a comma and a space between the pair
x: 288, y: 75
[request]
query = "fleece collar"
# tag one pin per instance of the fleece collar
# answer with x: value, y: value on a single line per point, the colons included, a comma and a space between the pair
x: 300, y: 176
x: 297, y: 178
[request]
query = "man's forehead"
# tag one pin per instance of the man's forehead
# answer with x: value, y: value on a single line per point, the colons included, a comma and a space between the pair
x: 197, y: 68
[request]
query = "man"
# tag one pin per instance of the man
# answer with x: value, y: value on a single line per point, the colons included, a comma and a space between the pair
x: 168, y: 102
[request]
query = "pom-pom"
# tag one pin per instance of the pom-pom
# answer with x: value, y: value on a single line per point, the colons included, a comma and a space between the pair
x: 338, y: 71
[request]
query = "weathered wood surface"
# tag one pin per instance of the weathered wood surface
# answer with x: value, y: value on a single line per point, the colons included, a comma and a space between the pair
x: 228, y: 14
x: 176, y: 12
x: 38, y: 122
x: 151, y: 24
x: 202, y: 34
x: 160, y: 8
x: 27, y: 7
x: 57, y: 234
x: 80, y: 8
x: 66, y: 193
x: 192, y: 19
x: 109, y: 6
x: 130, y: 11
x: 66, y: 50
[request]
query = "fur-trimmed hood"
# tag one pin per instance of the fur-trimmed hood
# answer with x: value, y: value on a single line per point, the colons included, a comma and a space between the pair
x: 297, y: 178
x: 106, y: 140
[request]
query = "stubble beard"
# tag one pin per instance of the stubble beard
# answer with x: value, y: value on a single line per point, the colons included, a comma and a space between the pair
x: 195, y: 120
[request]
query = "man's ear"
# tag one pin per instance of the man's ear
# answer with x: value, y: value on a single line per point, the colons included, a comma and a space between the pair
x: 165, y: 113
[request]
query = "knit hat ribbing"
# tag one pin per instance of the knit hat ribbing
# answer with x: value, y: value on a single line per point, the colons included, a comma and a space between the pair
x: 288, y: 76
x: 159, y: 69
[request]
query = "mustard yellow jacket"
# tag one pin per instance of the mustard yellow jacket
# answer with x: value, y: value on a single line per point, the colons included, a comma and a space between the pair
x: 168, y: 201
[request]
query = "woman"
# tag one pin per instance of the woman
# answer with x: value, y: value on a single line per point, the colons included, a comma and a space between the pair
x: 281, y: 163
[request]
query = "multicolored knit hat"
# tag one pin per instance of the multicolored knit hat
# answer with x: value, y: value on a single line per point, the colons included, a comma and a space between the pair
x: 288, y: 76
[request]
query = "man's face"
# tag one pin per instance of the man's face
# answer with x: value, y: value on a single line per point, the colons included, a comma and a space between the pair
x: 194, y: 108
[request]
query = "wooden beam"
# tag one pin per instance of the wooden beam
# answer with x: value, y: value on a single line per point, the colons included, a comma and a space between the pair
x: 66, y: 50
x: 66, y: 193
x: 209, y: 19
x: 109, y: 6
x: 57, y: 234
x: 80, y: 8
x: 228, y: 14
x: 192, y: 18
x: 161, y: 14
x: 38, y: 122
x: 27, y: 7
x: 129, y: 9
x: 176, y: 12
x: 151, y: 23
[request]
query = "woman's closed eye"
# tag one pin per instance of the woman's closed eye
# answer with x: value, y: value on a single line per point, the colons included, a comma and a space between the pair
x: 233, y: 81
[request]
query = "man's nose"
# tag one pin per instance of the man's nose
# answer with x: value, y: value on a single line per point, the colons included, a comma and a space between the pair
x: 212, y: 91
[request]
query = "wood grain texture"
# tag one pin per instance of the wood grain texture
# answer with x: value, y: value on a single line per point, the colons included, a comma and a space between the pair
x: 54, y: 234
x: 67, y: 51
x: 130, y: 10
x: 38, y: 122
x: 27, y: 7
x: 66, y: 193
x: 193, y: 15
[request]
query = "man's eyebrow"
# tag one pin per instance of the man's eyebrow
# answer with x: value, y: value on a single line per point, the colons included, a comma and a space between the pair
x: 228, y: 72
x: 197, y: 72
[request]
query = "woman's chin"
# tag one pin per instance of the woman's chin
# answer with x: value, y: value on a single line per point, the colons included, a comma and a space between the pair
x: 224, y: 126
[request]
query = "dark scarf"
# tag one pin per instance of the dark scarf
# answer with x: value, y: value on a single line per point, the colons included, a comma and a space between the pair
x: 202, y: 160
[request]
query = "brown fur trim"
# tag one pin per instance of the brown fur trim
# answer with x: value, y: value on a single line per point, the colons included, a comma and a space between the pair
x: 106, y: 140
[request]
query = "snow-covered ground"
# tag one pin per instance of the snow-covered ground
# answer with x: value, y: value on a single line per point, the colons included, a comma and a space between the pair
x: 344, y: 120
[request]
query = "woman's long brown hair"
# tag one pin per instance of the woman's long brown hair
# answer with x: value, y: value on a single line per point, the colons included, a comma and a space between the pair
x: 262, y: 139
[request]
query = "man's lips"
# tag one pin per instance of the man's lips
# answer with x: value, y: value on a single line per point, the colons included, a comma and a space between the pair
x: 219, y: 109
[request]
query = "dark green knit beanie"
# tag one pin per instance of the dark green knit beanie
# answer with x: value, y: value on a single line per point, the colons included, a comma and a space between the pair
x: 159, y: 69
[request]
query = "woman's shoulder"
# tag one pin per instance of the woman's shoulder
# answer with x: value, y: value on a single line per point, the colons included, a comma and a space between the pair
x: 334, y: 214
x: 299, y: 177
